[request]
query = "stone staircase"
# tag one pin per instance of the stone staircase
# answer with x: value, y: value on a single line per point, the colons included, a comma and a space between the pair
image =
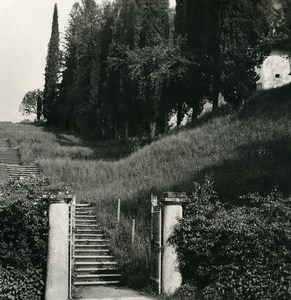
x: 16, y: 171
x: 8, y: 155
x: 94, y: 265
x: 10, y: 158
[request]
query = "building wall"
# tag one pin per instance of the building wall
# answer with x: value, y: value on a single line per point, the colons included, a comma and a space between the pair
x: 274, y: 71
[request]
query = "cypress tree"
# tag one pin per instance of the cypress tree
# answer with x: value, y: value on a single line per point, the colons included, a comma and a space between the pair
x: 226, y: 37
x: 67, y: 95
x: 52, y: 72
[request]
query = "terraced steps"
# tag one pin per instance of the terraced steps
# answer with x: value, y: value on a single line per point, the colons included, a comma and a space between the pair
x: 4, y: 143
x: 9, y: 155
x: 93, y: 261
x: 16, y: 171
x: 10, y: 158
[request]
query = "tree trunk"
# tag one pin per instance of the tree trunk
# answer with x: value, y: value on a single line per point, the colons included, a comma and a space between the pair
x: 38, y: 108
x: 126, y: 131
x: 115, y: 130
x: 193, y: 117
x: 180, y: 114
x: 214, y: 100
x: 166, y: 122
x: 153, y: 126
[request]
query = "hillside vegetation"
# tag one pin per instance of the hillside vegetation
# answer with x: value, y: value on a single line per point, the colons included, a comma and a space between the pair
x: 243, y: 152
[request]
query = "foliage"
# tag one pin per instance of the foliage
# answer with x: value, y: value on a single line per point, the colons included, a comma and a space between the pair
x: 23, y: 239
x: 159, y: 73
x: 228, y: 38
x: 188, y: 291
x: 237, y: 252
x: 52, y: 73
x: 96, y: 94
x: 32, y: 104
x: 245, y: 152
x: 20, y: 284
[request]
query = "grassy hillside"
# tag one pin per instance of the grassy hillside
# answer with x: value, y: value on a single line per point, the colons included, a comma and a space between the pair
x: 244, y: 152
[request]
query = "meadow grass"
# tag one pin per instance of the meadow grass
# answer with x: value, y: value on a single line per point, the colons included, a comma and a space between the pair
x: 244, y: 152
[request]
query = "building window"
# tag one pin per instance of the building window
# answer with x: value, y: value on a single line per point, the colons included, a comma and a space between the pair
x: 277, y: 75
x: 259, y: 86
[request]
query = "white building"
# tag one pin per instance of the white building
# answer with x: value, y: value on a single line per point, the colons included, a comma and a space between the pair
x: 275, y: 71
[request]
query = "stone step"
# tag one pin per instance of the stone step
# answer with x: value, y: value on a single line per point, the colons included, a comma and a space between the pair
x: 89, y: 236
x: 8, y: 151
x: 103, y: 264
x: 91, y: 247
x: 93, y: 263
x: 23, y: 172
x: 96, y: 242
x: 87, y: 226
x: 84, y: 226
x: 88, y: 271
x: 83, y: 207
x: 97, y: 277
x: 88, y: 231
x: 12, y: 160
x: 92, y: 252
x: 93, y: 258
x: 85, y: 217
x: 78, y: 283
x: 89, y: 221
x: 21, y: 168
x: 81, y: 213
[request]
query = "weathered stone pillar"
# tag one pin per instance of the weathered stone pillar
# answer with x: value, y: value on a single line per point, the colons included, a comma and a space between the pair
x: 172, y: 212
x: 57, y: 278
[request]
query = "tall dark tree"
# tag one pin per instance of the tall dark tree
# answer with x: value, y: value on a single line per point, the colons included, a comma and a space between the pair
x: 227, y: 38
x: 67, y: 99
x: 282, y: 25
x: 244, y: 33
x: 52, y: 73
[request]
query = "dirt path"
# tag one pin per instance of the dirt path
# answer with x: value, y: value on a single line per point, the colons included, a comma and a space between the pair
x: 109, y: 293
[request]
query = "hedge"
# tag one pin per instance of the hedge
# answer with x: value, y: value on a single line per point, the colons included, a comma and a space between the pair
x: 235, y: 252
x: 23, y: 239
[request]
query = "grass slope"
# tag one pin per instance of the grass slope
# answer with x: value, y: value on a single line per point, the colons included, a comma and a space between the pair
x: 249, y: 152
x: 245, y: 152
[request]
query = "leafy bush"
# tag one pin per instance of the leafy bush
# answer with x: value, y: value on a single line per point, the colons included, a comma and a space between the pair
x: 23, y: 239
x: 21, y: 284
x: 237, y: 252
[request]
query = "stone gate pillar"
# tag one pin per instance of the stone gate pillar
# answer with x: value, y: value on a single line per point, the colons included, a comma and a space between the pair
x: 172, y: 212
x: 57, y: 279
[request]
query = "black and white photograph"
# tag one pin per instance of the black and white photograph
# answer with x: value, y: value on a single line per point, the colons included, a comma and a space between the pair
x: 145, y: 150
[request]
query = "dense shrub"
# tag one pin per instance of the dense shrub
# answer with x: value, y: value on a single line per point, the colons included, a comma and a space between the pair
x: 23, y: 239
x: 21, y: 284
x: 236, y: 252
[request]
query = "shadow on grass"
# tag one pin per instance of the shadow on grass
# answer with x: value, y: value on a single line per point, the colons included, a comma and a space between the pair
x: 108, y: 150
x: 259, y: 167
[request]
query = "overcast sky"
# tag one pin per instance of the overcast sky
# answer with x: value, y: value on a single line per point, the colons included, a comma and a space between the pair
x: 25, y: 27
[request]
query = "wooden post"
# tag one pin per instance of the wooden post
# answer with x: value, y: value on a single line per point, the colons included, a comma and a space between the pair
x: 118, y: 210
x: 133, y: 231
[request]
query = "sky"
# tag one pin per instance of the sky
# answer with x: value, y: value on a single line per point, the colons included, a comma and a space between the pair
x: 25, y: 28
